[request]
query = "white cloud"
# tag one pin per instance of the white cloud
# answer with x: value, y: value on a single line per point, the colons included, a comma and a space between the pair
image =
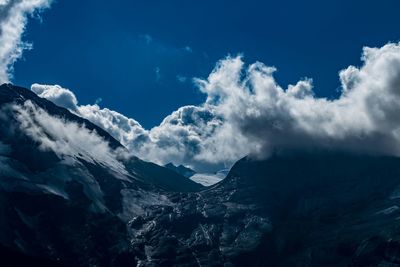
x: 128, y: 131
x: 13, y: 19
x: 365, y: 118
x: 68, y: 140
x: 119, y: 126
x: 192, y: 136
x: 58, y: 95
x: 247, y: 112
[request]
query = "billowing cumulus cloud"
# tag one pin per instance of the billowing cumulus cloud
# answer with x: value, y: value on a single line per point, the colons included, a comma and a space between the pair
x: 248, y: 112
x: 56, y: 94
x: 192, y: 135
x: 13, y: 19
x: 128, y: 131
x: 365, y: 118
x: 119, y: 126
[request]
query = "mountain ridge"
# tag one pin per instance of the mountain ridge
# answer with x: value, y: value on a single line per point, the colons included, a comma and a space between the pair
x: 19, y: 95
x: 301, y: 208
x: 61, y: 205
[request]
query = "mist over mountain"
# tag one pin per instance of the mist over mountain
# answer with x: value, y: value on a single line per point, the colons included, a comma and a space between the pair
x: 67, y: 185
x: 150, y: 156
x: 247, y: 112
x: 73, y: 196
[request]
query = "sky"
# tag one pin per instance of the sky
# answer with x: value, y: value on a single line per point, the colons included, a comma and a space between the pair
x: 205, y: 84
x: 139, y: 57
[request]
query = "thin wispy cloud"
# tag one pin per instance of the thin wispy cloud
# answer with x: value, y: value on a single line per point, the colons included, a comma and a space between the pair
x: 157, y: 72
x: 13, y: 19
x: 147, y: 38
x: 181, y: 79
x: 188, y: 49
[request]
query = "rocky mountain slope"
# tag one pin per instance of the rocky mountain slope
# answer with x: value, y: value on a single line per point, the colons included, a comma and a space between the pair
x: 187, y: 172
x: 67, y: 188
x: 63, y: 203
x: 291, y: 210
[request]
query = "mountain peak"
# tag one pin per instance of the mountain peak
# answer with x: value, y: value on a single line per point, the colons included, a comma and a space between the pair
x: 182, y: 170
x: 14, y: 94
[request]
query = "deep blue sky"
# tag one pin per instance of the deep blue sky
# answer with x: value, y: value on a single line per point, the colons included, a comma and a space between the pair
x: 130, y: 53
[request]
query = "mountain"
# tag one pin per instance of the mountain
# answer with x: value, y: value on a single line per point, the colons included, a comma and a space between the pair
x: 23, y: 148
x: 294, y: 209
x: 182, y: 170
x: 67, y: 187
x: 71, y: 195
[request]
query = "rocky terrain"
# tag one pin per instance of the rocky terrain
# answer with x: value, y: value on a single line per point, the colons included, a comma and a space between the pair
x: 67, y: 188
x: 291, y: 210
x: 64, y: 204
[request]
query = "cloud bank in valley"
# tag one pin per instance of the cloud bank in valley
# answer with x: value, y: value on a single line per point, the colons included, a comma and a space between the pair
x: 13, y: 19
x: 247, y: 112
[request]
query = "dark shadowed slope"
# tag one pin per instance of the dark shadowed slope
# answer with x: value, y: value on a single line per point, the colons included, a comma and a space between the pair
x: 320, y: 209
x: 326, y: 209
x: 182, y: 170
x: 12, y: 258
